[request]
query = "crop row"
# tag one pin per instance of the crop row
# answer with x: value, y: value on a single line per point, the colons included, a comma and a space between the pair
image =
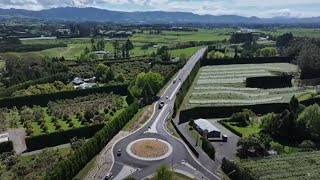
x: 234, y: 101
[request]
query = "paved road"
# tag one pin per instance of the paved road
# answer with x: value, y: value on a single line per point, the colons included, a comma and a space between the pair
x: 154, y: 128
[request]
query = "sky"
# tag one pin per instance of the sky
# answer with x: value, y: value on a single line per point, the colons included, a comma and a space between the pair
x: 259, y: 8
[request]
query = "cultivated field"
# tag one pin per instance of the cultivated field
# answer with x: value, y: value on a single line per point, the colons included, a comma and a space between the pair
x: 294, y: 166
x: 225, y: 85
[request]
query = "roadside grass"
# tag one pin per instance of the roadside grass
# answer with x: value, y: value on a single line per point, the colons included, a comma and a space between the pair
x: 135, y: 117
x: 171, y: 129
x: 84, y: 171
x: 194, y: 134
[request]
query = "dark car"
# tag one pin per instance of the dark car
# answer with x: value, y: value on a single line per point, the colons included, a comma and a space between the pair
x: 161, y: 105
x: 119, y: 152
x: 108, y: 176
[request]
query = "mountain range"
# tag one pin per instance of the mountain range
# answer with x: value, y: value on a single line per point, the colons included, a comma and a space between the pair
x: 103, y: 15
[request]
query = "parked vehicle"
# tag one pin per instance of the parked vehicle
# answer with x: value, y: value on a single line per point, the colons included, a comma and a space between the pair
x: 108, y: 176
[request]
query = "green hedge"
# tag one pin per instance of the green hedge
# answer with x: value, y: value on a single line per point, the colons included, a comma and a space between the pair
x: 186, y: 85
x: 208, y: 148
x: 267, y: 82
x: 63, y: 137
x: 312, y: 101
x: 57, y: 77
x: 235, y: 172
x: 6, y: 147
x: 227, y: 111
x: 230, y: 128
x: 70, y: 166
x: 255, y: 60
x: 43, y: 99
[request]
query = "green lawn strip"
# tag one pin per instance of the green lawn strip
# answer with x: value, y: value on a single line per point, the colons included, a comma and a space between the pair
x: 64, y: 125
x: 194, y: 134
x: 81, y: 174
x: 76, y: 122
x: 36, y: 129
x: 186, y: 51
x: 48, y: 122
x: 176, y: 176
x: 129, y: 124
x: 246, y: 131
x: 171, y: 129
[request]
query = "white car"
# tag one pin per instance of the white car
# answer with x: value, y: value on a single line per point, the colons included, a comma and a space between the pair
x: 167, y: 97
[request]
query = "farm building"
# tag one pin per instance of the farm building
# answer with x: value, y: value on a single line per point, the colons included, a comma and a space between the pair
x: 203, y: 124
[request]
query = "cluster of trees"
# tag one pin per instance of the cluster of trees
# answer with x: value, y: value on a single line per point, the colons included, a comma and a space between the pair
x: 237, y: 38
x: 295, y: 125
x: 147, y: 85
x: 30, y: 67
x: 162, y: 53
x: 105, y: 74
x: 122, y: 50
x: 216, y: 55
x: 70, y: 166
x: 266, y: 52
x: 31, y: 168
x: 243, y: 118
x: 253, y: 146
x: 54, y: 87
x: 284, y: 40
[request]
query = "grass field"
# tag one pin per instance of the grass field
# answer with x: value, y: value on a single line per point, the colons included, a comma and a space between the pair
x: 304, y: 165
x: 225, y: 85
x: 298, y: 32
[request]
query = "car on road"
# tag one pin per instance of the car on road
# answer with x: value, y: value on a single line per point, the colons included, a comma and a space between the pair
x: 174, y: 81
x: 119, y: 152
x: 161, y: 105
x: 167, y: 97
x: 108, y: 176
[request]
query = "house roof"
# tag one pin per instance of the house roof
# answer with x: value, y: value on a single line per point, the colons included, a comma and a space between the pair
x: 206, y: 125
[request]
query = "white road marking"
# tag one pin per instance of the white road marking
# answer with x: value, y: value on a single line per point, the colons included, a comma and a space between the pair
x: 175, y: 91
x: 153, y: 127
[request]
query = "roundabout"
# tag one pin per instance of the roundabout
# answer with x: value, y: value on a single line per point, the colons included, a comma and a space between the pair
x: 149, y: 149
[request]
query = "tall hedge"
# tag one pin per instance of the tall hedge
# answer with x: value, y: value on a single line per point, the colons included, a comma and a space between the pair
x: 43, y: 99
x: 236, y: 172
x: 58, y: 138
x: 69, y: 167
x: 227, y: 111
x: 254, y: 60
x: 208, y: 148
x: 186, y: 85
x: 267, y: 82
x: 6, y: 147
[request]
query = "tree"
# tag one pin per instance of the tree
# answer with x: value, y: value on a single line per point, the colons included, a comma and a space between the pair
x: 163, y: 52
x: 163, y: 173
x: 309, y: 60
x: 128, y: 47
x: 268, y: 52
x: 284, y: 40
x: 116, y: 49
x: 86, y: 51
x: 92, y: 44
x: 101, y: 70
x: 76, y: 143
x: 101, y: 45
x: 216, y: 55
x: 251, y: 146
x: 88, y: 114
x: 310, y: 117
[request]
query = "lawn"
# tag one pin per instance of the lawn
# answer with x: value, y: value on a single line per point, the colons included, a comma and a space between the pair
x: 193, y: 133
x: 2, y: 64
x: 246, y: 131
x: 186, y: 51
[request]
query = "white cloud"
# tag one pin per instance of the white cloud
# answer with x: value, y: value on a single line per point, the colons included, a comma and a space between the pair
x: 258, y: 8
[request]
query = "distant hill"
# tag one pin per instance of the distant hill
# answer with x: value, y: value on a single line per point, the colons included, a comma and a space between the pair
x: 102, y: 15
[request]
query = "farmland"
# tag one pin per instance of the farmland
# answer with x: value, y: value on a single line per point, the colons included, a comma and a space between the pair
x: 294, y: 166
x: 64, y: 114
x: 225, y: 85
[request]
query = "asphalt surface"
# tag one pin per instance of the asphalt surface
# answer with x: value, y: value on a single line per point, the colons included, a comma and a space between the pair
x: 156, y: 123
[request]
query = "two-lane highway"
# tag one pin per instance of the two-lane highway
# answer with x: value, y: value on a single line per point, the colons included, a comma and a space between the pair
x: 154, y: 128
